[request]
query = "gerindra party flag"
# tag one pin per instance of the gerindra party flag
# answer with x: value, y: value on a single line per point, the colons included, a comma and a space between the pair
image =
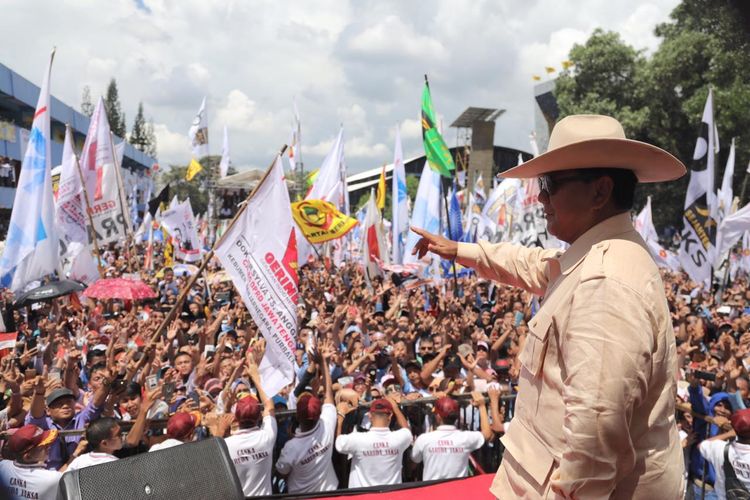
x: 438, y: 154
x: 259, y: 252
x: 319, y: 220
x: 31, y: 248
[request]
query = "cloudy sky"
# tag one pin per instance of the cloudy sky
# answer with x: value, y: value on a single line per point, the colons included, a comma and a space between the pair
x: 352, y: 62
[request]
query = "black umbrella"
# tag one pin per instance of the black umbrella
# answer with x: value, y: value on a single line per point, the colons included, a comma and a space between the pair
x: 48, y: 292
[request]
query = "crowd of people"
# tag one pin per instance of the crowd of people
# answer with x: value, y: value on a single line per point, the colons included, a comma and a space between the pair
x: 397, y: 379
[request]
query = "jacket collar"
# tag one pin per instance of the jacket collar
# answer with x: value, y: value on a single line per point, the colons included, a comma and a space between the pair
x: 605, y: 230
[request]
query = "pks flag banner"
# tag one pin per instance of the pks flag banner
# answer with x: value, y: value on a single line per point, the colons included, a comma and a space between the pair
x: 198, y: 133
x: 100, y: 179
x: 381, y: 190
x: 437, y: 152
x: 180, y: 223
x: 225, y: 158
x: 399, y: 208
x: 697, y: 251
x: 70, y: 206
x: 32, y: 245
x: 194, y: 167
x: 426, y: 213
x: 319, y: 220
x: 260, y: 254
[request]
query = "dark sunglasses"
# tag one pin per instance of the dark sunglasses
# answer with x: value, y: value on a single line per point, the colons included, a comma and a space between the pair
x: 551, y: 185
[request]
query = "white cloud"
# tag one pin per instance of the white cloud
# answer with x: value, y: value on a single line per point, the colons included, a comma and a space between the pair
x: 359, y: 63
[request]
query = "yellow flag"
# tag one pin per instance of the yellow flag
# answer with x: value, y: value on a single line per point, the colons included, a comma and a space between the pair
x: 168, y: 250
x: 567, y: 64
x: 549, y: 69
x: 319, y: 220
x: 380, y: 198
x: 536, y: 78
x: 193, y: 169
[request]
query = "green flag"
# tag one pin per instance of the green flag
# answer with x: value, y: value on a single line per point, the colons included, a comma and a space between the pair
x: 435, y: 149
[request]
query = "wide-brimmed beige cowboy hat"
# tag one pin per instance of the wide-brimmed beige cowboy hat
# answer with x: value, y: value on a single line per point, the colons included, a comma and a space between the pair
x: 597, y: 141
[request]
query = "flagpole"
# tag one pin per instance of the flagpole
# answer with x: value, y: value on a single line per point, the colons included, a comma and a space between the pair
x: 207, y: 258
x: 129, y: 239
x: 91, y: 218
x: 447, y: 217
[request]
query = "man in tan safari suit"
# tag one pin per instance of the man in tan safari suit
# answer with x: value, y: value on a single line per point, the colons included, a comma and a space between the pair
x: 595, y: 409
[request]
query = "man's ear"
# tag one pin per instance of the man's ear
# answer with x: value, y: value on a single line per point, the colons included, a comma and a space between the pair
x: 603, y: 188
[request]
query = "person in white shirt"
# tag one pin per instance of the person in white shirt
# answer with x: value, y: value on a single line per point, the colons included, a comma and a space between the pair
x: 251, y: 447
x: 104, y: 439
x: 180, y: 429
x: 715, y: 449
x: 306, y: 458
x: 26, y: 476
x: 445, y: 451
x: 377, y: 454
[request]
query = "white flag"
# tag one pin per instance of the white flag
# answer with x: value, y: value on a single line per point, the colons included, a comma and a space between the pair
x: 663, y: 257
x: 644, y: 223
x: 98, y: 166
x: 225, y: 160
x: 259, y: 253
x: 328, y: 186
x: 725, y: 195
x: 732, y: 228
x: 180, y: 224
x: 426, y: 212
x: 399, y: 209
x: 198, y: 133
x: 70, y: 213
x: 31, y: 247
x: 373, y: 240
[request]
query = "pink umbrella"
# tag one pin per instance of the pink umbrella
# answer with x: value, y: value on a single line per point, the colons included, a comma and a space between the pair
x: 119, y: 288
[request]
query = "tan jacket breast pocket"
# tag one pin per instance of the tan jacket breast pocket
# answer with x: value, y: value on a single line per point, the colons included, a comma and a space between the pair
x: 535, y: 348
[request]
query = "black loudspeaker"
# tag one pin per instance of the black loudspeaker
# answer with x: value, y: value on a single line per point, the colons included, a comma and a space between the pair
x: 190, y: 471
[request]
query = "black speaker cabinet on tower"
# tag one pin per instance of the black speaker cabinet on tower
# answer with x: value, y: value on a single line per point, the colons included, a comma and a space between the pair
x: 191, y: 471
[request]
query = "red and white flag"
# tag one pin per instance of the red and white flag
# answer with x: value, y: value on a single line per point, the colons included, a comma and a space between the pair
x: 260, y: 255
x: 8, y: 340
x: 374, y: 251
x: 100, y: 179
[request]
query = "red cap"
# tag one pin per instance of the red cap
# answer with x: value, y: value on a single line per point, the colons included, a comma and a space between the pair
x: 30, y: 436
x: 247, y: 410
x: 741, y: 422
x: 308, y: 408
x: 381, y: 406
x: 446, y: 407
x: 181, y: 424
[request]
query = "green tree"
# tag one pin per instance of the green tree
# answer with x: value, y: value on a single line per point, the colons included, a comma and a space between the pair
x: 115, y: 115
x: 151, y: 145
x: 139, y: 133
x: 87, y: 107
x: 660, y: 99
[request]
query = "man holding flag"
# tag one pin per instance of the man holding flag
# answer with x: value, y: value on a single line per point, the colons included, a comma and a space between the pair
x: 595, y: 409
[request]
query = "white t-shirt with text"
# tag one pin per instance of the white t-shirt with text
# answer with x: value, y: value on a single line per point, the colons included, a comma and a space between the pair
x: 739, y: 457
x: 21, y: 481
x: 251, y: 451
x: 445, y: 452
x: 376, y: 455
x: 306, y: 458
